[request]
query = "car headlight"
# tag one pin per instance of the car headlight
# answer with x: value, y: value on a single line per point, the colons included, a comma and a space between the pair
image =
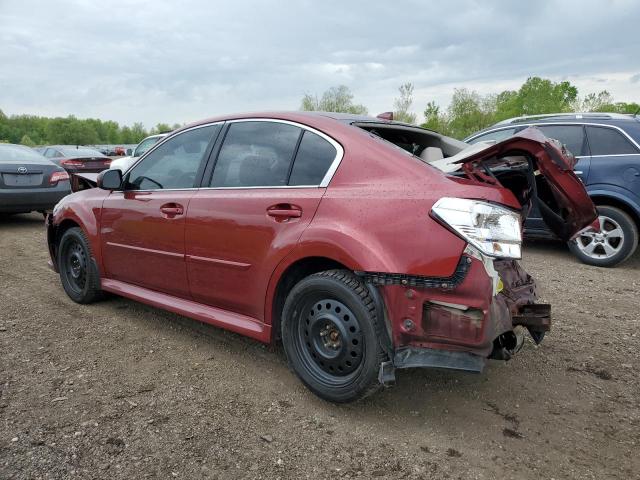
x: 492, y: 229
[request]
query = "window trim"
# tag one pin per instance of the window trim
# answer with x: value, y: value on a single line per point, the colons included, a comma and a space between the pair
x: 205, y: 158
x: 584, y: 124
x: 324, y: 183
x: 624, y: 134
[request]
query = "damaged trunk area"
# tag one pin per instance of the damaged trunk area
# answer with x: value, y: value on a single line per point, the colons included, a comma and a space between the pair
x: 515, y: 303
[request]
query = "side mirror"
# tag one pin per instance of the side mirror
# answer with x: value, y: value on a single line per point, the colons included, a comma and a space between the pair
x: 110, y: 179
x: 129, y: 151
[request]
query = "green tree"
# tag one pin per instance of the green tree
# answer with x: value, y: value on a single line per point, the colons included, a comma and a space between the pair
x: 336, y: 99
x: 25, y: 140
x: 402, y: 104
x: 434, y: 120
x: 469, y: 112
x: 138, y: 132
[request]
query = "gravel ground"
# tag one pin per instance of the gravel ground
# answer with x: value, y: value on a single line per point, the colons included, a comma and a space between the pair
x: 120, y: 390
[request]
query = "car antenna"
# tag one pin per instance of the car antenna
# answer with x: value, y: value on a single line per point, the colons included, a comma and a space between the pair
x: 637, y: 112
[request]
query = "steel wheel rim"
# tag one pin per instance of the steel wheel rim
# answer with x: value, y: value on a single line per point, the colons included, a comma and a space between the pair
x: 329, y: 340
x: 604, y: 244
x: 75, y: 265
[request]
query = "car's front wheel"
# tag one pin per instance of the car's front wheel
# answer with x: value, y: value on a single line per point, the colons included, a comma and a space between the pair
x: 331, y: 335
x: 616, y: 241
x: 79, y: 277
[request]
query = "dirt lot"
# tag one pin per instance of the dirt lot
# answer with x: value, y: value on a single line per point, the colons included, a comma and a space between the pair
x: 121, y: 390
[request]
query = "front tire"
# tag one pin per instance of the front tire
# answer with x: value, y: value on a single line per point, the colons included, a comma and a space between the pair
x: 78, y: 274
x: 332, y: 335
x: 617, y: 240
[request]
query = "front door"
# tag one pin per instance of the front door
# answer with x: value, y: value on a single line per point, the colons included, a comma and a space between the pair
x: 142, y: 227
x: 268, y: 181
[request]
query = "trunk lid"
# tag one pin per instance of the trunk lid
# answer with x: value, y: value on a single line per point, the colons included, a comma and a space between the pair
x: 531, y: 166
x: 26, y: 175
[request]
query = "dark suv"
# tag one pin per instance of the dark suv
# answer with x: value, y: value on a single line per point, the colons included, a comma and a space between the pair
x: 607, y: 149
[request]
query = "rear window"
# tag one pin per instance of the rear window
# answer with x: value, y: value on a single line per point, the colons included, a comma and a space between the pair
x: 16, y: 153
x: 608, y: 141
x: 81, y: 152
x: 571, y: 136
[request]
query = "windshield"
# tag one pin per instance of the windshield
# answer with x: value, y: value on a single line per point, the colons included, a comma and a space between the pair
x: 17, y: 153
x: 145, y: 145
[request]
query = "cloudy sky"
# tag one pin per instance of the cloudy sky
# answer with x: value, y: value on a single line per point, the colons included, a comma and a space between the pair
x: 184, y: 60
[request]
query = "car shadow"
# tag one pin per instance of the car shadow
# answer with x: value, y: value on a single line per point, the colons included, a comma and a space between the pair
x: 20, y: 220
x: 557, y: 249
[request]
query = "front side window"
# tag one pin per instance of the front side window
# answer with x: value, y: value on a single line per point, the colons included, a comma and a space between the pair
x: 571, y: 136
x: 315, y: 156
x: 256, y: 154
x: 608, y: 141
x: 496, y: 136
x: 175, y: 163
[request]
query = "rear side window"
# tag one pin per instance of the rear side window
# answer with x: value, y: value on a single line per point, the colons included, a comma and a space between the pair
x: 571, y: 136
x: 315, y: 156
x: 608, y: 141
x: 175, y: 163
x: 256, y: 154
x: 496, y: 135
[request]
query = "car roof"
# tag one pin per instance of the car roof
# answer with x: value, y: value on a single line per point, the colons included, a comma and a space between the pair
x: 585, y: 117
x: 627, y: 122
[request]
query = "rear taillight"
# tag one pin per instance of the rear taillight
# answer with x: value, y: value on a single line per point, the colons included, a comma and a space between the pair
x: 70, y: 163
x: 58, y: 177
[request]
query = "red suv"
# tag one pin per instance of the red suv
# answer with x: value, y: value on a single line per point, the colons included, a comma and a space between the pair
x: 331, y: 233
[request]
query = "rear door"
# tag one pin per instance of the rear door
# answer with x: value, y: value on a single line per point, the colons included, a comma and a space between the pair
x: 266, y: 183
x: 142, y: 227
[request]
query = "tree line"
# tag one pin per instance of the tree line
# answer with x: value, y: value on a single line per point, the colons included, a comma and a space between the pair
x: 470, y: 111
x: 34, y: 130
x: 467, y: 113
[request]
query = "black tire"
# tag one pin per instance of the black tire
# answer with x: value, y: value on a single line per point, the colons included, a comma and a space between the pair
x: 332, y: 336
x: 77, y: 271
x: 625, y: 245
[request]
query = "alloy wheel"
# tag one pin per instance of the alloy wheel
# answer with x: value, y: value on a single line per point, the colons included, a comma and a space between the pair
x: 604, y: 244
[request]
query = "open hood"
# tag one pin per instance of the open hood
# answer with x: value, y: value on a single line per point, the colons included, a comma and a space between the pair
x: 533, y: 167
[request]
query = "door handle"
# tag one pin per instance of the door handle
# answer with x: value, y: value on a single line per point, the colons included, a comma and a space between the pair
x: 283, y: 212
x: 172, y: 209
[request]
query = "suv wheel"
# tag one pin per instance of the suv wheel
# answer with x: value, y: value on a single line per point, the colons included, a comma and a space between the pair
x: 616, y: 241
x: 78, y: 275
x: 330, y: 333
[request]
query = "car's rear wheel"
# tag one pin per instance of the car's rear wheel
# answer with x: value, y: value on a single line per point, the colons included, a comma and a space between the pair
x: 331, y: 334
x: 616, y: 241
x: 78, y: 274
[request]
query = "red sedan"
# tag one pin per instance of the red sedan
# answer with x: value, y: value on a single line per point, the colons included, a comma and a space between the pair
x: 333, y: 233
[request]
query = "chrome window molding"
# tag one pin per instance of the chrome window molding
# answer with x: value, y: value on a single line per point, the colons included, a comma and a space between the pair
x: 323, y: 184
x: 570, y: 123
x: 332, y: 168
x: 166, y: 138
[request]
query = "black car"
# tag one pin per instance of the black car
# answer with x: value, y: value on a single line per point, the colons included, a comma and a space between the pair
x: 28, y: 181
x: 607, y: 149
x: 75, y: 158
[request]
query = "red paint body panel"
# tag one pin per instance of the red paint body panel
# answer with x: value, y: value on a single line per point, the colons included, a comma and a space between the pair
x: 218, y: 255
x: 233, y: 245
x: 214, y: 316
x: 142, y: 245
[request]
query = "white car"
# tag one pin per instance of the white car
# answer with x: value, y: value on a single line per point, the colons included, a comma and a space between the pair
x: 124, y: 163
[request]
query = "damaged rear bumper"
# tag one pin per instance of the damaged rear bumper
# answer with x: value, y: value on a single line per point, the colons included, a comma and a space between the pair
x: 481, y: 312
